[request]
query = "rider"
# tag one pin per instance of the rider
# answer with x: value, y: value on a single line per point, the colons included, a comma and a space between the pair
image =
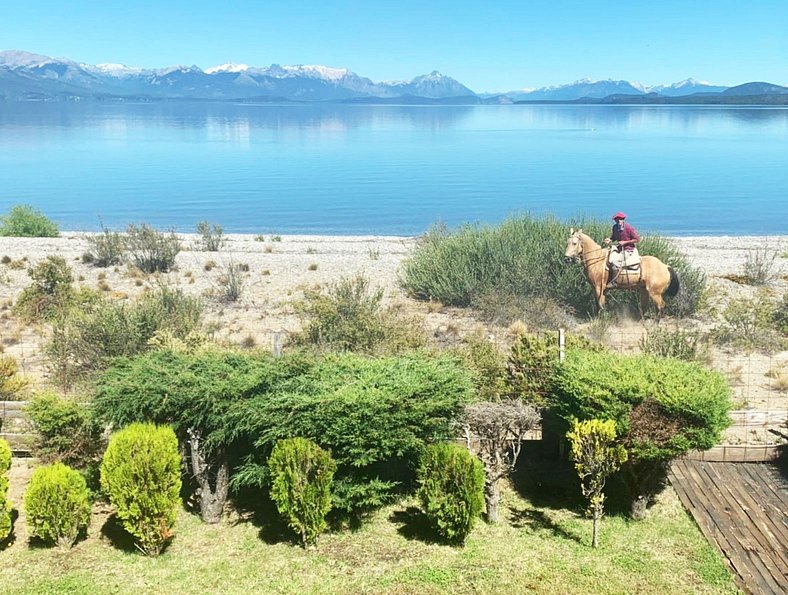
x: 627, y: 237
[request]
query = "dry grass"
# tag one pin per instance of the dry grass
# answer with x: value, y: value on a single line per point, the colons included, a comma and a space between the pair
x: 535, y: 549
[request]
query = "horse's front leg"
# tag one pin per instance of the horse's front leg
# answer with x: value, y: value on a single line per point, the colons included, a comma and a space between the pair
x: 600, y: 298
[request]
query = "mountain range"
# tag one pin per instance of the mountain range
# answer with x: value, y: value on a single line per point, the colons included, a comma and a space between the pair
x: 25, y: 76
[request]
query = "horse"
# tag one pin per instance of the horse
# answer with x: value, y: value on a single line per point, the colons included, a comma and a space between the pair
x: 654, y: 278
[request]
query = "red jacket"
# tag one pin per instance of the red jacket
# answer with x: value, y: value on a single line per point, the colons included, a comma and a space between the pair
x: 627, y: 234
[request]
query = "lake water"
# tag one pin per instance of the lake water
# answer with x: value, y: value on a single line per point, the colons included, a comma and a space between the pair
x: 334, y: 169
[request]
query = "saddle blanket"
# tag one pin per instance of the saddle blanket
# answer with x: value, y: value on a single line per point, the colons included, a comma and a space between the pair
x: 625, y: 260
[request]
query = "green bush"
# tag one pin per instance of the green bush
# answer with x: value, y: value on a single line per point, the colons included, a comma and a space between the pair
x: 5, y: 505
x: 12, y: 383
x: 451, y: 490
x: 107, y: 248
x: 152, y: 250
x: 524, y: 257
x: 141, y: 475
x: 25, y: 221
x: 375, y: 415
x: 662, y: 409
x: 301, y: 477
x: 67, y: 432
x: 680, y: 344
x: 57, y: 504
x: 348, y: 317
x: 50, y: 292
x: 211, y: 236
x: 780, y: 316
x: 749, y: 323
x: 85, y: 339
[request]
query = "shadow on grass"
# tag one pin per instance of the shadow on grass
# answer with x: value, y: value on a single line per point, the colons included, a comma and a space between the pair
x: 263, y: 514
x: 538, y: 520
x: 120, y: 539
x: 9, y: 539
x: 413, y: 525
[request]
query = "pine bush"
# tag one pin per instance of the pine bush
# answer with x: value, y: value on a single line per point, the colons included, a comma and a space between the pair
x: 302, y: 474
x: 5, y: 505
x: 451, y: 490
x: 141, y: 474
x: 57, y: 504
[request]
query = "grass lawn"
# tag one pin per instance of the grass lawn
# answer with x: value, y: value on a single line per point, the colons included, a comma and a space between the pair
x: 542, y: 549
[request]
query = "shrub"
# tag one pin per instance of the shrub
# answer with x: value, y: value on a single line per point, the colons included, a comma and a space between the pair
x: 662, y: 409
x: 375, y: 415
x: 680, y: 344
x: 748, y: 322
x: 488, y: 365
x: 759, y: 266
x: 57, y: 504
x: 25, y: 221
x: 780, y: 316
x: 348, y: 317
x: 301, y: 477
x: 211, y: 237
x: 84, y: 340
x: 5, y: 505
x: 107, y: 248
x: 152, y: 250
x: 67, y: 433
x: 524, y: 256
x: 49, y: 293
x: 141, y: 474
x: 12, y: 383
x: 233, y: 283
x: 451, y: 484
x: 498, y: 429
x: 596, y: 457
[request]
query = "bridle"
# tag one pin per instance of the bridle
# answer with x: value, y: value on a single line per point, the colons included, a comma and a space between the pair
x: 578, y: 255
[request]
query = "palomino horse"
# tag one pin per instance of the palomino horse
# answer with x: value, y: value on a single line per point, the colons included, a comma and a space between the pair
x: 654, y: 279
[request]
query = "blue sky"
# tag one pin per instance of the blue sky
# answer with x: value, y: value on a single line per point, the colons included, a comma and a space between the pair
x: 489, y: 46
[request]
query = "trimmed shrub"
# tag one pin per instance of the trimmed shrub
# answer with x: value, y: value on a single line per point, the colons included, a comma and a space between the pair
x: 662, y: 409
x: 150, y: 249
x: 301, y: 477
x: 348, y: 317
x: 107, y: 248
x: 50, y: 291
x: 524, y: 256
x: 5, y: 505
x: 211, y: 236
x: 25, y: 221
x: 451, y: 490
x: 67, y: 433
x: 84, y: 340
x: 57, y: 505
x: 141, y: 475
x: 375, y: 415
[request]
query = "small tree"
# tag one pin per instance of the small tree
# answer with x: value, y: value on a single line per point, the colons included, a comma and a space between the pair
x: 57, y: 504
x: 302, y: 473
x: 596, y: 457
x: 495, y: 430
x: 451, y: 490
x: 5, y: 505
x: 141, y: 474
x: 25, y: 221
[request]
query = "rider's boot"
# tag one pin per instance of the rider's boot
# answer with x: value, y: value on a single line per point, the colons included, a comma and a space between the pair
x: 613, y: 275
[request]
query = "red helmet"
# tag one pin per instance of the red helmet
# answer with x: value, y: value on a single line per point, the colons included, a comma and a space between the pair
x: 619, y: 215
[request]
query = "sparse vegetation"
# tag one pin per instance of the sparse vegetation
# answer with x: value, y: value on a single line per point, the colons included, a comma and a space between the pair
x: 232, y: 282
x: 151, y: 250
x: 211, y: 236
x: 759, y: 265
x: 25, y: 221
x: 50, y: 292
x: 749, y: 323
x: 681, y: 344
x: 107, y: 248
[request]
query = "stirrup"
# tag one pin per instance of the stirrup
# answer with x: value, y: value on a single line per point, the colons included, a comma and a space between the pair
x: 611, y: 285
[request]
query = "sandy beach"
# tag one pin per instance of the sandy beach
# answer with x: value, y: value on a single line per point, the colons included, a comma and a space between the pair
x: 279, y: 269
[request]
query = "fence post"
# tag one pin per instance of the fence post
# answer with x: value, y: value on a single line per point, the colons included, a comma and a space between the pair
x: 561, y: 345
x: 277, y: 344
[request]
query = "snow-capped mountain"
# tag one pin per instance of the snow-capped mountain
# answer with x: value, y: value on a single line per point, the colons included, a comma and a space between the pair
x: 686, y: 87
x: 580, y: 89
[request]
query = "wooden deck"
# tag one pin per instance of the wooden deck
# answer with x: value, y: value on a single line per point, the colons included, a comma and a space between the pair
x: 742, y: 508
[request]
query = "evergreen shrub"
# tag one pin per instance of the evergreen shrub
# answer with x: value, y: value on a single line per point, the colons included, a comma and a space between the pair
x: 25, y: 221
x: 141, y: 475
x: 5, y: 505
x: 301, y: 477
x: 451, y: 490
x: 57, y: 504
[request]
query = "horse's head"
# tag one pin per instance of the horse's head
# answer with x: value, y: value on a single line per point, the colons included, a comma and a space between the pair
x: 574, y: 246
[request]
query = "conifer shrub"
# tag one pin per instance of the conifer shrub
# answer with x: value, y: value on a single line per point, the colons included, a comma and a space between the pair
x: 150, y: 249
x: 25, y: 221
x: 57, y: 504
x: 662, y: 408
x: 49, y: 293
x: 141, y: 475
x: 523, y: 257
x: 301, y: 478
x: 451, y: 490
x: 5, y: 505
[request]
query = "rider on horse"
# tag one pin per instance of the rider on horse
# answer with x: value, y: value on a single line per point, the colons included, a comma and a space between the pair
x: 626, y: 237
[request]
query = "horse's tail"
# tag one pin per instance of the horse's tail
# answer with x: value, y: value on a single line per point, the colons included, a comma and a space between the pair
x: 674, y: 286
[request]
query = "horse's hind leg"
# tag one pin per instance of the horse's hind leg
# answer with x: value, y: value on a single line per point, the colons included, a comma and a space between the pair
x: 642, y: 301
x: 659, y: 303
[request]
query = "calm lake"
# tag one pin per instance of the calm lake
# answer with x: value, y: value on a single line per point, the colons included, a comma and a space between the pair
x: 336, y: 169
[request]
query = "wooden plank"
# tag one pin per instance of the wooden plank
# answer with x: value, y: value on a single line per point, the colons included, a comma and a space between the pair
x: 774, y: 500
x: 738, y: 453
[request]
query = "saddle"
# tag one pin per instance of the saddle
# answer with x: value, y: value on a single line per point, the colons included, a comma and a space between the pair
x: 627, y: 261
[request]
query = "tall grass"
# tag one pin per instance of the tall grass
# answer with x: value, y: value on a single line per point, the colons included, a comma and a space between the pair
x: 524, y: 257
